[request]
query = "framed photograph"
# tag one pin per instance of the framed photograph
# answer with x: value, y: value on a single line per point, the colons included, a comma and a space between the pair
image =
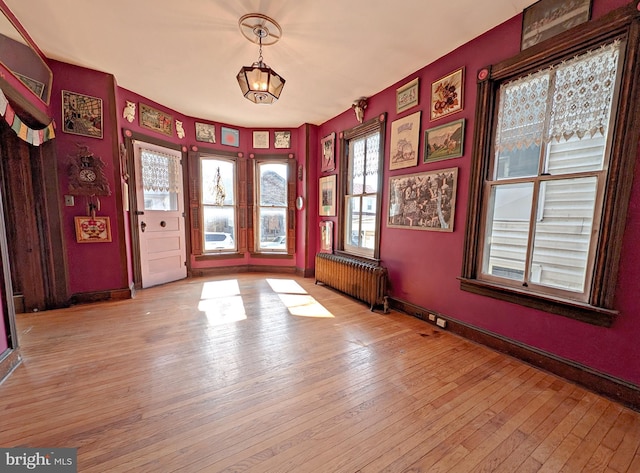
x: 81, y: 114
x: 35, y: 86
x: 93, y: 229
x: 407, y: 95
x: 446, y: 94
x: 327, y: 196
x: 156, y: 120
x: 423, y: 201
x: 282, y: 139
x: 444, y: 141
x: 230, y: 136
x: 261, y: 139
x: 328, y: 144
x: 326, y: 236
x: 205, y: 133
x: 405, y: 137
x: 547, y: 18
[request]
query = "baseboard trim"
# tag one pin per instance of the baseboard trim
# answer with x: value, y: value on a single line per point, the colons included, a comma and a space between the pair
x: 615, y: 389
x: 101, y: 296
x: 9, y: 361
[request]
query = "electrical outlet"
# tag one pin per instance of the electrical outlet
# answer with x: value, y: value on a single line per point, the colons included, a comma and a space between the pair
x: 69, y: 201
x: 432, y: 317
x: 441, y: 323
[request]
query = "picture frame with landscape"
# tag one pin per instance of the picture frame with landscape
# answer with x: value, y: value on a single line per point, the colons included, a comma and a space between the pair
x: 444, y: 141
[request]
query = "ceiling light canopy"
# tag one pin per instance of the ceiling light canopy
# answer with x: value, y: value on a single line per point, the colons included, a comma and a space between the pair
x: 258, y: 82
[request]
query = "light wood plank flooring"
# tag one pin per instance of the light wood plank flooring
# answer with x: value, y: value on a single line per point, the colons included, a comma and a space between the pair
x: 270, y: 373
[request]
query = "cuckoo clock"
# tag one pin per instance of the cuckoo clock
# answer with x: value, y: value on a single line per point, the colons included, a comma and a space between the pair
x: 86, y: 175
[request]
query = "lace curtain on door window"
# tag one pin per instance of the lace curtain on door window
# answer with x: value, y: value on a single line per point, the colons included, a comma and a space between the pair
x: 160, y: 171
x: 574, y: 98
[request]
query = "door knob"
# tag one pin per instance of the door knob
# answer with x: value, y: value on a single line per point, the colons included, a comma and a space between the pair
x: 163, y: 224
x: 143, y: 226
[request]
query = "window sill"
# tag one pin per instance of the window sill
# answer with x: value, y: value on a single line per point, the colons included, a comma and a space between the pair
x: 273, y: 255
x: 567, y: 308
x: 366, y: 259
x: 219, y: 256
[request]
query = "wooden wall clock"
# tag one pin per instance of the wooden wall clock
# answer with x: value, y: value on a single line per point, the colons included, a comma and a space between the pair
x: 86, y: 174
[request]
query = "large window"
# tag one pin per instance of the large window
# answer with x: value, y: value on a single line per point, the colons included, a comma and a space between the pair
x: 549, y: 188
x: 218, y: 177
x: 363, y: 152
x: 272, y: 206
x: 274, y: 191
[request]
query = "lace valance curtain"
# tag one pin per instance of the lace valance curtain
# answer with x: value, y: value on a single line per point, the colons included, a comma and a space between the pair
x: 160, y: 172
x: 572, y: 98
x: 583, y: 93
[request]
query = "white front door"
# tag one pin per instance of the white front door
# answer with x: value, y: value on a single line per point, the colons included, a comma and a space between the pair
x: 160, y: 205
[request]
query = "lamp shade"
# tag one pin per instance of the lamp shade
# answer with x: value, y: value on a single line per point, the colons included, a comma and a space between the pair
x: 259, y: 83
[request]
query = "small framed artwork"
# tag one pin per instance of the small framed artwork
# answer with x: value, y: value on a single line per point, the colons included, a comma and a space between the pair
x: 93, y: 229
x: 156, y: 120
x: 35, y: 86
x: 282, y: 139
x: 81, y: 114
x: 446, y: 94
x: 423, y: 201
x: 230, y: 136
x: 205, y: 133
x: 261, y: 139
x: 328, y: 144
x: 326, y: 236
x: 405, y: 137
x: 444, y: 141
x: 407, y: 95
x: 547, y: 18
x: 327, y: 187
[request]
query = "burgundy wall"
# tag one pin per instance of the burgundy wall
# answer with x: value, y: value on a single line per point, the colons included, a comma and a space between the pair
x: 424, y: 266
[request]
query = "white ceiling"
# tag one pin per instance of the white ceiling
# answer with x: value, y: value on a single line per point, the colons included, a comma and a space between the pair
x: 185, y: 54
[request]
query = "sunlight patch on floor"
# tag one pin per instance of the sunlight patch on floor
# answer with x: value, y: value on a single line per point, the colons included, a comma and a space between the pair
x: 217, y: 289
x: 286, y: 286
x: 304, y: 306
x: 224, y: 310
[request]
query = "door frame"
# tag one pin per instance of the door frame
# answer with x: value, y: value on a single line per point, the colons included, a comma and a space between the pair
x: 129, y: 164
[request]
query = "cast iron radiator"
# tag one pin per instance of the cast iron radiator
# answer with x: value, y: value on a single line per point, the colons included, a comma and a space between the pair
x: 359, y: 279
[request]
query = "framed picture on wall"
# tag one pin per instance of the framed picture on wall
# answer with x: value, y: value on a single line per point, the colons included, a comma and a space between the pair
x: 327, y: 190
x: 405, y: 137
x: 205, y: 133
x: 446, y: 94
x: 230, y: 136
x: 81, y: 114
x: 93, y: 229
x: 328, y: 145
x: 423, y: 201
x: 547, y: 18
x: 261, y: 139
x: 156, y: 120
x: 282, y: 139
x: 444, y: 141
x: 407, y: 95
x: 326, y: 236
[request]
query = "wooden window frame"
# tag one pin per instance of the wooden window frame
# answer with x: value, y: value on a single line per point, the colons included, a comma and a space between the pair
x: 253, y: 205
x: 624, y: 24
x: 196, y: 209
x: 370, y: 126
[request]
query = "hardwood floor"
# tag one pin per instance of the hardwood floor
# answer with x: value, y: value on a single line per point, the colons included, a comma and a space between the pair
x: 270, y: 373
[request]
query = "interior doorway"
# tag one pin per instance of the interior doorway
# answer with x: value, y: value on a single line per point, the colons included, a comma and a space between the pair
x: 32, y: 218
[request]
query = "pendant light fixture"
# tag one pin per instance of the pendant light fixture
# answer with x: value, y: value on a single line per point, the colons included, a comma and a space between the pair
x: 258, y: 82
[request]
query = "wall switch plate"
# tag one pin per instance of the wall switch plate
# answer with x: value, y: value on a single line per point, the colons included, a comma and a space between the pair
x: 69, y: 201
x: 441, y: 323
